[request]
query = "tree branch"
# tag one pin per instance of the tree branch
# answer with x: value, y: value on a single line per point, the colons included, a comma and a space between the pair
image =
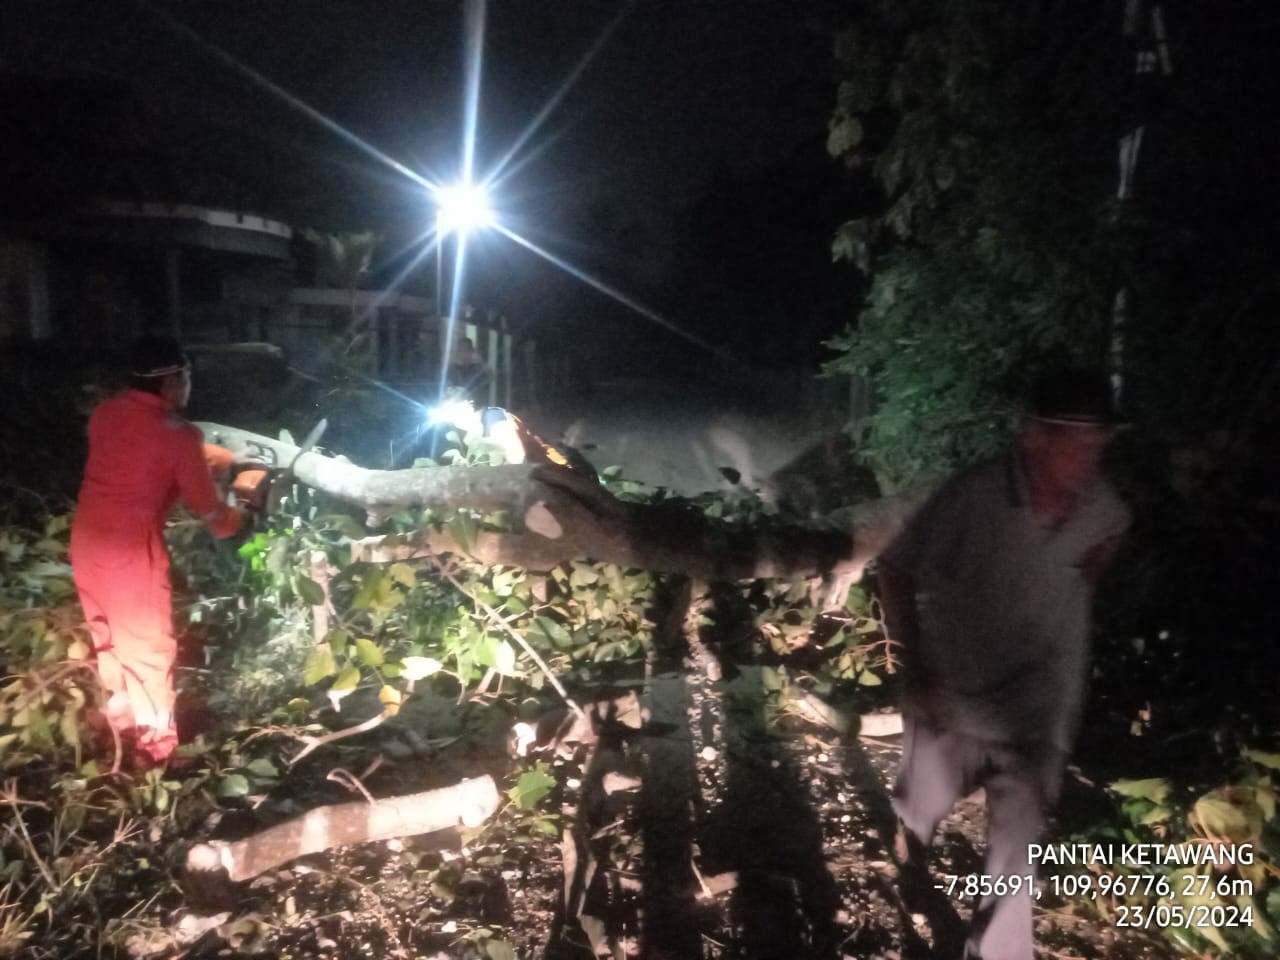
x: 562, y: 516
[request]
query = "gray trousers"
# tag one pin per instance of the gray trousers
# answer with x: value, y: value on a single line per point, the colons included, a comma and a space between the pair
x: 1021, y: 782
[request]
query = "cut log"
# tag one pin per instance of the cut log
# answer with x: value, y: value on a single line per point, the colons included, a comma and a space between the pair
x: 562, y: 516
x: 880, y: 724
x: 469, y: 802
x: 816, y: 710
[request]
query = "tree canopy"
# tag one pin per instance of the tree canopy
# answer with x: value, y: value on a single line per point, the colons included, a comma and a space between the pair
x: 991, y: 129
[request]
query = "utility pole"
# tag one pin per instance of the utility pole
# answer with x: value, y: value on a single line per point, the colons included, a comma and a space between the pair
x: 1145, y: 33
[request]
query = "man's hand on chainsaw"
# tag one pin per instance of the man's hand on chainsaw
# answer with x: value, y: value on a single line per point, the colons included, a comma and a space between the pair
x: 247, y: 478
x: 251, y: 485
x: 250, y: 479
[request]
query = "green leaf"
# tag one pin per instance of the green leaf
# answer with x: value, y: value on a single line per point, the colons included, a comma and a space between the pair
x: 1155, y: 789
x: 610, y: 650
x: 1157, y: 814
x: 1269, y: 760
x: 342, y: 524
x: 844, y: 134
x: 486, y: 596
x: 484, y: 649
x: 514, y: 606
x: 338, y: 641
x: 500, y: 950
x: 1265, y: 798
x: 552, y: 631
x: 233, y: 785
x: 252, y: 548
x: 38, y: 733
x: 347, y: 680
x: 368, y: 652
x: 503, y: 582
x: 320, y: 664
x: 1273, y: 906
x: 69, y: 726
x: 1213, y: 936
x: 1219, y: 817
x: 869, y: 679
x: 371, y: 584
x: 403, y: 574
x: 582, y: 576
x: 311, y: 592
x: 262, y: 768
x: 463, y: 529
x: 548, y: 828
x: 531, y: 787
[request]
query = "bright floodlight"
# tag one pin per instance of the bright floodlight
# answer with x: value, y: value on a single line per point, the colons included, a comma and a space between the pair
x: 463, y: 207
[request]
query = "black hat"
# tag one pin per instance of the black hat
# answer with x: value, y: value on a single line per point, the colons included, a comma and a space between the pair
x: 153, y: 356
x: 1074, y: 396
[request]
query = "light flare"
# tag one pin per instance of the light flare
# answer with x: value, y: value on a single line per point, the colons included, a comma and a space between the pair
x: 616, y: 294
x: 496, y: 175
x: 463, y: 207
x: 300, y: 105
x: 474, y: 56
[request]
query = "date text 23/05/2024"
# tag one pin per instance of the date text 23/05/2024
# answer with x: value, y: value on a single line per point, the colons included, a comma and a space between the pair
x: 1111, y: 874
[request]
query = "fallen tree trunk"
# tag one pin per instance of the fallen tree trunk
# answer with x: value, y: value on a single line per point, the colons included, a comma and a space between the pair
x: 561, y: 516
x: 378, y: 491
x: 469, y: 802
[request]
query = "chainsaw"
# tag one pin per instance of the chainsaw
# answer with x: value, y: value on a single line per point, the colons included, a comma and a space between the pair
x: 259, y: 482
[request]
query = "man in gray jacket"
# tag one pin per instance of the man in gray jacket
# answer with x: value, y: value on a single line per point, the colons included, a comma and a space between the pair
x: 989, y: 589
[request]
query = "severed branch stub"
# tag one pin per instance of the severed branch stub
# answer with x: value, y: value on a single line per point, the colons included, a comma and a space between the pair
x: 211, y: 867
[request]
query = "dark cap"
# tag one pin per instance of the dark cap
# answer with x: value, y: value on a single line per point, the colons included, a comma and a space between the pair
x: 152, y: 356
x: 1078, y: 396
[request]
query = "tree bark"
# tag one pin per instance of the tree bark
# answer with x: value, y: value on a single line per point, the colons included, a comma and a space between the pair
x: 560, y: 516
x: 469, y: 802
x: 379, y: 491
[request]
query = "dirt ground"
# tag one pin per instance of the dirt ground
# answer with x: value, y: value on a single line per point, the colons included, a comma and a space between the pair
x: 768, y: 847
x: 700, y: 823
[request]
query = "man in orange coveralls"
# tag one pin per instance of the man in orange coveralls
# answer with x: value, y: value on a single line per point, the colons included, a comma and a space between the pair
x: 142, y: 457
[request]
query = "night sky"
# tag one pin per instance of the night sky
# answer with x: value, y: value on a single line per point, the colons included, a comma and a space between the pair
x: 677, y: 100
x: 675, y: 92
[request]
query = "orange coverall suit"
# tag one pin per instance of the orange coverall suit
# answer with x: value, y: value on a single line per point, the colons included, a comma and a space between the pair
x: 142, y: 457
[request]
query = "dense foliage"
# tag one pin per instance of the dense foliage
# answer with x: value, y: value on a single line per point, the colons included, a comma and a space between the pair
x: 302, y: 666
x: 996, y: 243
x: 992, y: 130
